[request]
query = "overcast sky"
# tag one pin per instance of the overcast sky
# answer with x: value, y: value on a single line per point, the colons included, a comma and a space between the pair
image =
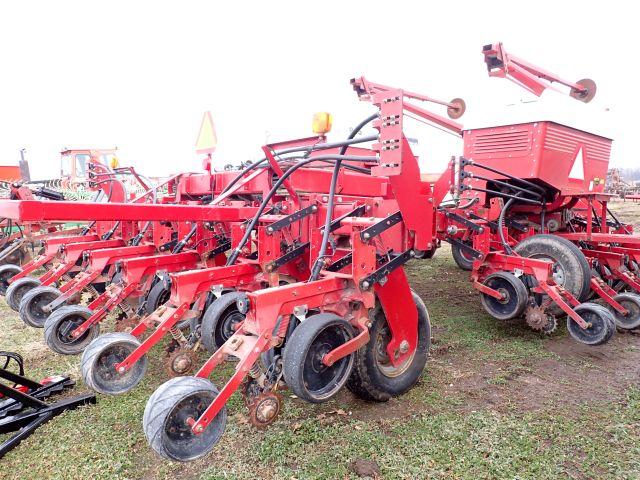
x: 138, y: 75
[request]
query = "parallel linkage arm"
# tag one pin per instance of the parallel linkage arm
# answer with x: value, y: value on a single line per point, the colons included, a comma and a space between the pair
x: 531, y: 77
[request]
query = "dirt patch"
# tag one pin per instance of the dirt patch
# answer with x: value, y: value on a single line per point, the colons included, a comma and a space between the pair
x: 577, y: 374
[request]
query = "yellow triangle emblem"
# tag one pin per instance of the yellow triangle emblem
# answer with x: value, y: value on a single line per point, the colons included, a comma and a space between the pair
x: 207, y: 139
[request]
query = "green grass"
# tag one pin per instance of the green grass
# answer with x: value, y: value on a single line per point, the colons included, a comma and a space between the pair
x: 446, y: 427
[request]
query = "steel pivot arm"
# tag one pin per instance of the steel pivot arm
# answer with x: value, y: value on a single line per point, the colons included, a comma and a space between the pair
x: 531, y: 77
x: 455, y: 108
x: 395, y: 158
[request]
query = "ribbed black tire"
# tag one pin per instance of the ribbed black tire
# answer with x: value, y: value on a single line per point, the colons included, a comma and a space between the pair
x: 32, y: 302
x: 158, y: 295
x: 17, y: 289
x: 158, y: 412
x: 601, y: 332
x: 461, y: 259
x: 55, y: 322
x: 568, y: 256
x: 212, y: 335
x: 367, y: 380
x: 6, y: 272
x: 93, y: 359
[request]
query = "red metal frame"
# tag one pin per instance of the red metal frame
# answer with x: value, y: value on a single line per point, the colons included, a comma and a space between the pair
x: 531, y: 77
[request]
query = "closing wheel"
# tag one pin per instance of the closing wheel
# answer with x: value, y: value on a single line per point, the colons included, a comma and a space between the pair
x: 514, y: 296
x: 374, y: 378
x: 32, y: 305
x: 304, y: 372
x: 100, y: 358
x: 6, y: 272
x: 601, y: 328
x: 17, y: 289
x: 181, y: 362
x: 166, y: 416
x: 461, y: 257
x: 158, y: 295
x: 571, y: 269
x: 60, y: 325
x: 631, y: 302
x: 220, y: 320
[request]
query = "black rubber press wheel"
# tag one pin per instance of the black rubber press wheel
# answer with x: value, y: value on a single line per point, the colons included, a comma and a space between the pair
x: 17, y: 289
x: 61, y: 324
x: 6, y: 272
x: 602, y: 324
x: 630, y: 301
x: 32, y: 305
x: 100, y: 357
x: 158, y: 295
x: 166, y: 415
x: 514, y: 296
x: 304, y: 372
x: 462, y: 258
x: 220, y: 320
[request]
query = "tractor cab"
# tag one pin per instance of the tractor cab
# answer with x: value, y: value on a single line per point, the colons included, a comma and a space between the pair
x: 74, y: 163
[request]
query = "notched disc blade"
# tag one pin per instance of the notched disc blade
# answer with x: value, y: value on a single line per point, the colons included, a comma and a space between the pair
x: 457, y: 108
x: 588, y: 93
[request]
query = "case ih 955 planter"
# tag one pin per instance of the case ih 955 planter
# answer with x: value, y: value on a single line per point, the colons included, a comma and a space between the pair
x: 313, y: 293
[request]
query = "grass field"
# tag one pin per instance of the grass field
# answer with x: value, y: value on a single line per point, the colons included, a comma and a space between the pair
x: 495, y: 401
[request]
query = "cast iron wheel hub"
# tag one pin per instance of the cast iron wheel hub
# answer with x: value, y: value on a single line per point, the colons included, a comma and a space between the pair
x: 36, y: 309
x: 105, y: 369
x: 557, y: 272
x: 64, y: 332
x: 317, y: 353
x: 316, y: 375
x: 177, y: 427
x: 382, y: 357
x: 230, y: 323
x: 505, y: 295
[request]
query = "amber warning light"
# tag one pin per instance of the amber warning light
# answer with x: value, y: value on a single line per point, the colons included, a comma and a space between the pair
x: 322, y: 123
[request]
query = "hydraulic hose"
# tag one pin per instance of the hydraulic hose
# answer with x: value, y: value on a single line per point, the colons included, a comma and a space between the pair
x: 138, y: 238
x: 503, y: 212
x: 319, y: 146
x: 319, y: 262
x: 180, y: 245
x: 110, y: 233
x: 236, y: 251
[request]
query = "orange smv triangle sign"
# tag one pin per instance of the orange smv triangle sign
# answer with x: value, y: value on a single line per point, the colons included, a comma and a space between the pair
x: 207, y: 139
